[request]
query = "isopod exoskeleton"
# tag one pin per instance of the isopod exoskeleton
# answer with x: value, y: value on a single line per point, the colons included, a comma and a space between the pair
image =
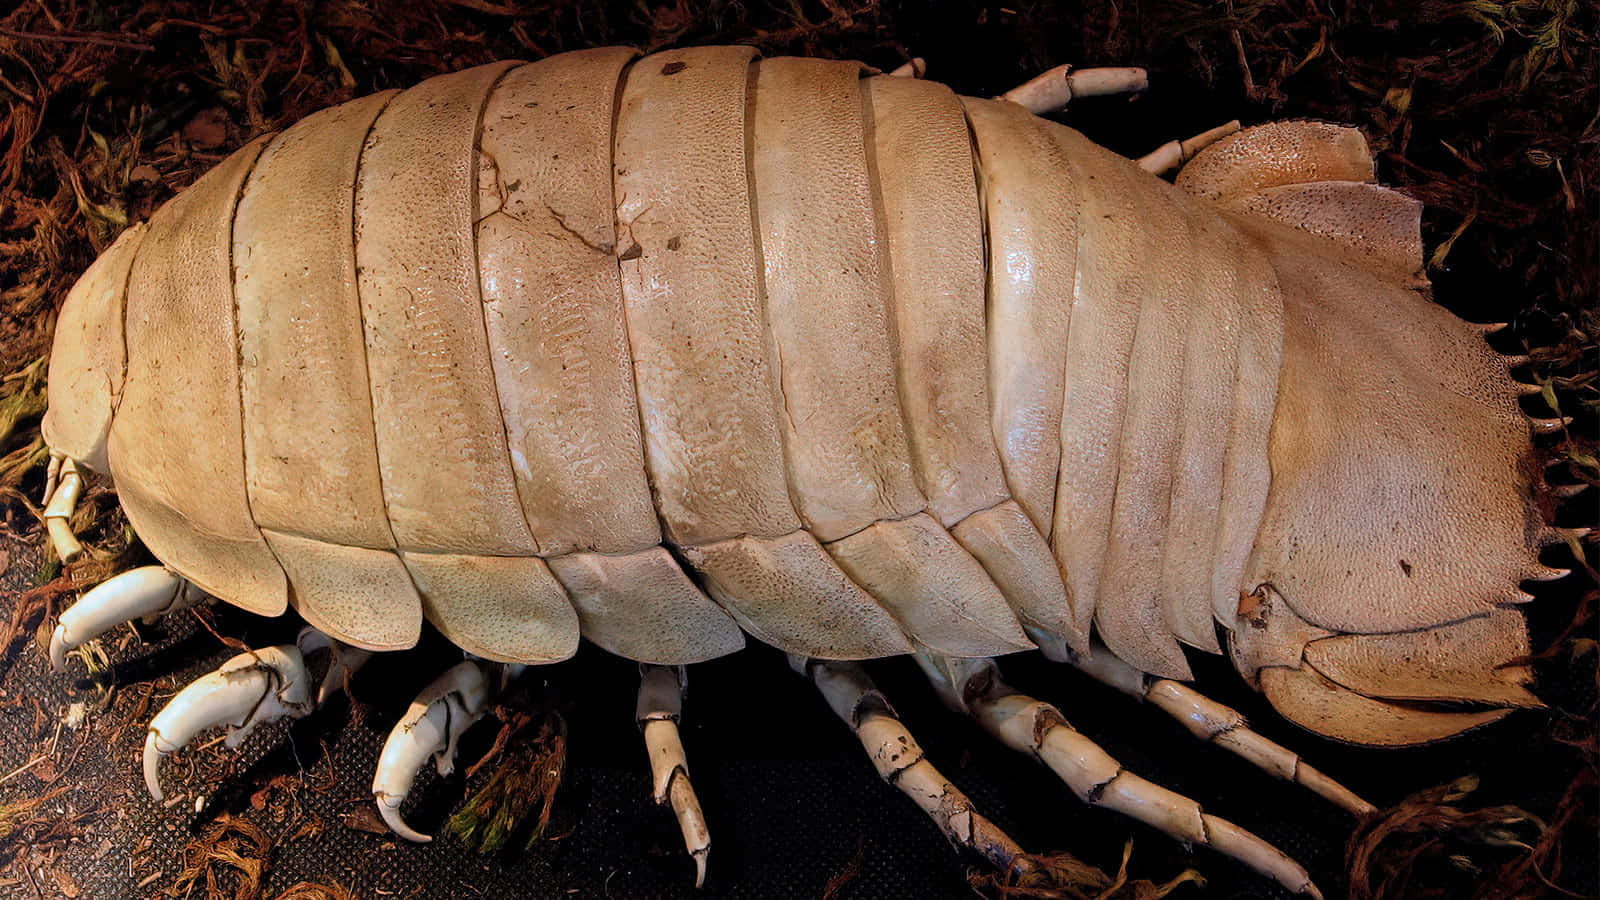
x: 665, y: 351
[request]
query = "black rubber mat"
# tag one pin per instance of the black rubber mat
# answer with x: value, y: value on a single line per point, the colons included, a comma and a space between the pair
x: 791, y: 799
x: 792, y: 803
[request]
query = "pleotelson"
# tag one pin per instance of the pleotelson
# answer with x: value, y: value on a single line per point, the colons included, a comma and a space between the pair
x: 664, y: 350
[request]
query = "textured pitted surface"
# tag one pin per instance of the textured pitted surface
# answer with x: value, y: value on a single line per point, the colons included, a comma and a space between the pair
x: 690, y: 276
x: 466, y: 413
x: 552, y: 293
x: 1277, y: 153
x: 303, y: 359
x: 1421, y: 514
x: 442, y: 455
x: 717, y: 323
x: 91, y: 364
x: 1196, y: 82
x: 1030, y: 293
x: 825, y: 291
x: 920, y: 160
x: 303, y: 353
x: 186, y: 496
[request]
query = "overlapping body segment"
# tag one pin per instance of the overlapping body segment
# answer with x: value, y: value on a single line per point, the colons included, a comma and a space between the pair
x: 662, y: 349
x: 773, y: 322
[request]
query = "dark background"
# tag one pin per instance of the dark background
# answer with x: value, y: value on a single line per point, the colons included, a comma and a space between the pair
x: 1485, y: 111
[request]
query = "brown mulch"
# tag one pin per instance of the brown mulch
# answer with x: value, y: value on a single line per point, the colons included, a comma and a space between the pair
x: 1062, y: 876
x: 228, y: 862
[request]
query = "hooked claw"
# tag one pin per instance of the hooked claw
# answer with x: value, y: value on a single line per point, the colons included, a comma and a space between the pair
x: 142, y: 593
x: 430, y: 727
x: 252, y: 688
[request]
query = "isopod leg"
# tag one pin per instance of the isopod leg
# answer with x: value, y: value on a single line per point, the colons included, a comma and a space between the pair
x: 1038, y: 729
x: 250, y: 689
x: 63, y: 487
x: 1052, y: 90
x: 1174, y: 154
x: 431, y: 726
x: 1221, y: 725
x: 143, y: 593
x: 915, y: 67
x: 660, y: 706
x: 343, y: 661
x: 900, y: 761
x: 254, y: 687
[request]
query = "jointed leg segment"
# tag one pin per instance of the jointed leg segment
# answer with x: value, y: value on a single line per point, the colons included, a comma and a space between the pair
x: 63, y: 487
x: 1174, y: 154
x: 252, y: 688
x: 900, y: 761
x: 660, y: 706
x: 1220, y: 725
x: 1052, y: 90
x: 144, y: 593
x: 1038, y: 729
x: 431, y: 726
x: 915, y: 67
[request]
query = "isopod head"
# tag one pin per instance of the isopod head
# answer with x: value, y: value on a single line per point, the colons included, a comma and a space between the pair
x: 1401, y: 516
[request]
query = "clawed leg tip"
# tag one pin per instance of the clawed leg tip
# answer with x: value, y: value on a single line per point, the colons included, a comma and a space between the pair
x: 700, y: 866
x: 660, y: 704
x: 254, y: 687
x: 430, y: 728
x: 59, y: 648
x: 139, y: 593
x: 391, y: 818
x: 152, y: 768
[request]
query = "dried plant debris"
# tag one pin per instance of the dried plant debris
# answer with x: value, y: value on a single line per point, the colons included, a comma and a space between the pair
x: 528, y: 760
x: 850, y: 872
x: 20, y: 813
x: 1484, y: 110
x: 29, y: 611
x: 22, y: 399
x: 1428, y: 847
x: 1062, y: 876
x: 227, y: 862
